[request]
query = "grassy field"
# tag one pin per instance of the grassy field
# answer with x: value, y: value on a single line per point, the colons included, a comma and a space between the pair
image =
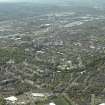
x: 59, y: 100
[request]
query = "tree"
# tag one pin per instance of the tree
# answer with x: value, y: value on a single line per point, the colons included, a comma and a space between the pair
x: 2, y: 101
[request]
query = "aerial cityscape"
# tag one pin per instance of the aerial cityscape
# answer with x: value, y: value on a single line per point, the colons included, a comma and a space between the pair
x: 52, y: 53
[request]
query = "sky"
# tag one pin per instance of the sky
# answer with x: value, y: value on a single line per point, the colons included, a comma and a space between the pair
x: 54, y: 1
x: 18, y: 0
x: 23, y: 0
x: 38, y: 0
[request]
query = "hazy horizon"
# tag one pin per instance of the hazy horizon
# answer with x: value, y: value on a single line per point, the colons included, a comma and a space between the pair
x: 81, y: 2
x: 47, y: 1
